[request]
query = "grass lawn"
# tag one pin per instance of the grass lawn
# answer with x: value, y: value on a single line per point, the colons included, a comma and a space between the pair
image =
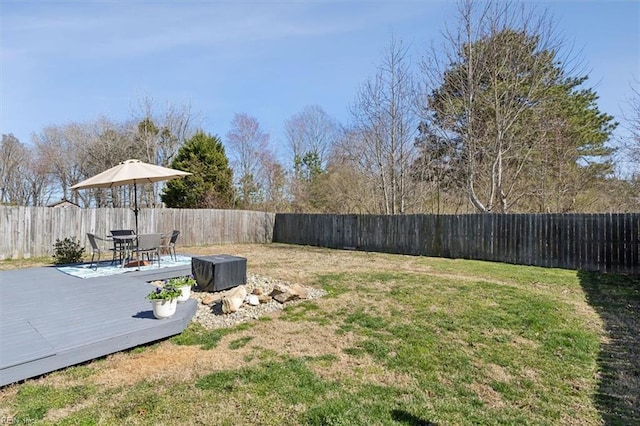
x: 399, y: 340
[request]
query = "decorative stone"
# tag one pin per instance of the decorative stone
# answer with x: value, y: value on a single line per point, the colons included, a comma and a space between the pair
x: 234, y: 299
x: 253, y: 300
x: 300, y: 291
x: 285, y: 297
x: 257, y: 291
x: 210, y: 299
x: 264, y: 298
x: 280, y: 288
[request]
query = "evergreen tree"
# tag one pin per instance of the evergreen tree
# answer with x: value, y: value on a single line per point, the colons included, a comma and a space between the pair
x: 211, y: 185
x: 507, y: 98
x: 572, y: 160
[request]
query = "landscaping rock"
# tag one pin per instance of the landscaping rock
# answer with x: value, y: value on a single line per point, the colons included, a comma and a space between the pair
x: 265, y: 298
x: 299, y: 291
x: 234, y: 299
x: 211, y: 298
x: 211, y: 316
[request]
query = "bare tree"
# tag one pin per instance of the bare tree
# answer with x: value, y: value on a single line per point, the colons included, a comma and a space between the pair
x: 61, y: 149
x: 248, y: 146
x: 350, y: 181
x: 73, y: 152
x: 385, y: 121
x: 162, y: 130
x: 275, y: 183
x: 310, y: 135
x: 632, y: 124
x: 311, y: 131
x: 12, y: 157
x: 630, y: 154
x: 109, y: 143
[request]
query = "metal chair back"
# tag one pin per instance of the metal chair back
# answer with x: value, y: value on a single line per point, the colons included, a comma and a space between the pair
x: 118, y: 232
x: 94, y: 244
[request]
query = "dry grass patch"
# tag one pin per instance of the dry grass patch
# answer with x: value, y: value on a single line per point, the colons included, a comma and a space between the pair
x: 487, y: 394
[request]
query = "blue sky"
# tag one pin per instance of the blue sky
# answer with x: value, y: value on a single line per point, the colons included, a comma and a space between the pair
x: 64, y: 61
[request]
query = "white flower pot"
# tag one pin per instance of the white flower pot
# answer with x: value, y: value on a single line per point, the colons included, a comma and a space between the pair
x: 163, y: 308
x: 186, y: 292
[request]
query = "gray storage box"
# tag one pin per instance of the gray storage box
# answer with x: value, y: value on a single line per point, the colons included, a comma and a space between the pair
x: 219, y: 272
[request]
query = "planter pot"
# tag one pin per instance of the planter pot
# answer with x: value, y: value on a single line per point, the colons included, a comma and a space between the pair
x: 164, y: 308
x: 186, y: 292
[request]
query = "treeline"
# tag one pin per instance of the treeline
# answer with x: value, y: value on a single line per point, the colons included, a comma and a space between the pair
x: 493, y: 120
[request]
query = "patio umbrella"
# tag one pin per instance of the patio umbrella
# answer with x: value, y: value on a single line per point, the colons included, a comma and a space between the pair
x: 130, y: 172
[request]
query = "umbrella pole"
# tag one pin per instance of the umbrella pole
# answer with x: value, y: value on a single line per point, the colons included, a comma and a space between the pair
x: 135, y: 213
x: 135, y: 204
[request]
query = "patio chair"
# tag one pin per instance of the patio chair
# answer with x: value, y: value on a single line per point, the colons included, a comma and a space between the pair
x: 169, y: 244
x: 96, y: 249
x: 121, y: 247
x: 149, y: 244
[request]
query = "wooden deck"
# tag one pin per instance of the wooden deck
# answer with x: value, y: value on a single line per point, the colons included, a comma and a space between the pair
x: 50, y: 320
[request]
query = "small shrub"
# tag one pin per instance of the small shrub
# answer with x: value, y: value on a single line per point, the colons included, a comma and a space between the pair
x: 68, y: 251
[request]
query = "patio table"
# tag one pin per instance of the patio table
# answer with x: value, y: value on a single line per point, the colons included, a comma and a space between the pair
x: 127, y: 243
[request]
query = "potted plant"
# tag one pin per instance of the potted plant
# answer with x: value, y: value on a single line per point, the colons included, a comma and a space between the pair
x: 184, y: 284
x: 164, y: 301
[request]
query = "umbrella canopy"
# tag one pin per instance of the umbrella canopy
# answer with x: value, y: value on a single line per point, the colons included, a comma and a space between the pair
x: 130, y: 172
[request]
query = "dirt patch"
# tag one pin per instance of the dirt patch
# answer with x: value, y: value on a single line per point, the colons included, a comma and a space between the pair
x: 498, y: 373
x: 486, y: 393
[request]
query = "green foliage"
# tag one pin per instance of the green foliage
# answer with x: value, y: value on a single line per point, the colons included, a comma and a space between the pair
x: 333, y: 284
x: 290, y: 381
x: 335, y: 412
x: 308, y: 166
x: 574, y: 159
x: 196, y: 335
x: 68, y: 251
x: 249, y: 191
x: 240, y: 343
x: 311, y: 184
x: 307, y: 311
x: 177, y: 282
x: 166, y: 292
x: 440, y: 160
x: 211, y: 182
x: 34, y: 401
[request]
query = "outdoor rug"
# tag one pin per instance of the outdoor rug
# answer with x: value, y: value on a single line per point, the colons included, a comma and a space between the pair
x: 105, y: 268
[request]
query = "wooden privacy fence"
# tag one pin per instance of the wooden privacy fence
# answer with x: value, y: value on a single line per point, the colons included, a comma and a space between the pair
x: 32, y: 231
x: 590, y: 242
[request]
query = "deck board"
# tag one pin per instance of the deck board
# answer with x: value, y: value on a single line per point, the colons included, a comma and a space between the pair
x: 50, y: 320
